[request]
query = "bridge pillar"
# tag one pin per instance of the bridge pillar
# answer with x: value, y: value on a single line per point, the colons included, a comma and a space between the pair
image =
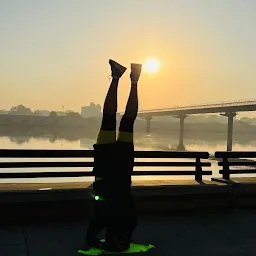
x: 148, y: 128
x: 181, y: 146
x: 230, y: 116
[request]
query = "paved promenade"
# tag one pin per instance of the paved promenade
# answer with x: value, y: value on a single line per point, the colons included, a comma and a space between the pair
x: 183, y: 218
x: 221, y: 233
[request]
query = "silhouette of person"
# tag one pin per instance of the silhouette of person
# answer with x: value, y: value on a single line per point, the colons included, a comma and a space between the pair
x: 113, y: 167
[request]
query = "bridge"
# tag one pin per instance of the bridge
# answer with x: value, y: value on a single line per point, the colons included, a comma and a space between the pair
x: 228, y: 109
x: 235, y: 106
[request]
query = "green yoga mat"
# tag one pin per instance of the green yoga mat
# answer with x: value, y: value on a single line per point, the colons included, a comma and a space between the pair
x: 134, y: 248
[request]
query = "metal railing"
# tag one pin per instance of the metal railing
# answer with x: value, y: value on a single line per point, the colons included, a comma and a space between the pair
x: 230, y: 159
x: 194, y: 160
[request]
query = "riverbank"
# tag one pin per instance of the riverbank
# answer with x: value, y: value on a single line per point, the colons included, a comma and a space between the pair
x: 54, y: 122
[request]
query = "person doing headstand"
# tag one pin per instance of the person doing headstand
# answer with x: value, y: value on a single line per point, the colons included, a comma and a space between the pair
x: 113, y: 167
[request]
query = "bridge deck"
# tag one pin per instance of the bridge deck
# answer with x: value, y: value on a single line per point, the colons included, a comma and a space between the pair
x: 219, y: 233
x: 238, y: 106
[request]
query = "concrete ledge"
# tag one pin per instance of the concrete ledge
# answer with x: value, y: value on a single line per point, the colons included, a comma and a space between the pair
x: 71, y: 185
x: 75, y: 202
x: 71, y: 203
x: 39, y: 192
x: 237, y: 180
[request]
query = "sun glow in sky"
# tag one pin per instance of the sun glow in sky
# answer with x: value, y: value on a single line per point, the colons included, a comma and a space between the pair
x: 54, y: 54
x: 151, y: 65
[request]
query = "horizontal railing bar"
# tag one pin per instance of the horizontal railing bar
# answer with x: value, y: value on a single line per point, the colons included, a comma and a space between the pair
x: 45, y: 153
x: 45, y: 175
x: 175, y: 164
x: 235, y: 154
x: 156, y: 173
x: 88, y: 174
x: 238, y: 171
x: 52, y: 153
x: 45, y: 164
x: 238, y: 163
x: 170, y: 154
x: 91, y: 164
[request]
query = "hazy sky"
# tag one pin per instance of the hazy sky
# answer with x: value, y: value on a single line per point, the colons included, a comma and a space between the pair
x: 55, y: 53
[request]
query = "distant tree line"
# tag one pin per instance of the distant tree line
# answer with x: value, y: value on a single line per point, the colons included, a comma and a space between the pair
x: 22, y: 116
x: 23, y: 110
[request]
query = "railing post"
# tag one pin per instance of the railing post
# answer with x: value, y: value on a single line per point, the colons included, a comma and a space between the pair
x: 198, y: 176
x: 226, y: 174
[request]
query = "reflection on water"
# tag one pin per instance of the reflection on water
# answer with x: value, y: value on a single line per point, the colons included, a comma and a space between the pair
x: 142, y: 142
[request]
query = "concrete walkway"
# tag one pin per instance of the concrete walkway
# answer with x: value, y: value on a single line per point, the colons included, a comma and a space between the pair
x: 230, y: 232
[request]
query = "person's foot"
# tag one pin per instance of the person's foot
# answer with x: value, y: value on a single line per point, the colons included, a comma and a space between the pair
x: 116, y: 69
x: 135, y: 72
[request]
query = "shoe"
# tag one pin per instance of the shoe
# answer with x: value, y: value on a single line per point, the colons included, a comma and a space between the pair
x: 135, y: 72
x: 116, y: 69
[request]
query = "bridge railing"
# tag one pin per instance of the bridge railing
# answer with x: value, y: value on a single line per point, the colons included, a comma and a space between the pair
x: 194, y: 161
x: 231, y: 160
x: 206, y: 105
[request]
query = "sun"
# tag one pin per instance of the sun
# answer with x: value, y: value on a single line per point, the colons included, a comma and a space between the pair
x: 151, y: 65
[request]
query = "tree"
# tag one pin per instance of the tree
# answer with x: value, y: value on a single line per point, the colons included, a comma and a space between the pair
x: 21, y: 110
x: 69, y: 111
x: 53, y: 118
x: 73, y: 115
x: 53, y: 114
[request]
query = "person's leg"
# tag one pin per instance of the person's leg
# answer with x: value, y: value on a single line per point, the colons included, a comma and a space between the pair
x: 107, y: 135
x: 128, y: 119
x: 107, y: 132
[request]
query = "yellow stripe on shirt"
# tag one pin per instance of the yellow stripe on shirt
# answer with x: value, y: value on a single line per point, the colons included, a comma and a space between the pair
x: 106, y: 137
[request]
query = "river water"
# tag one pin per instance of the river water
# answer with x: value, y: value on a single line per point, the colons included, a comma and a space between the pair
x: 142, y: 142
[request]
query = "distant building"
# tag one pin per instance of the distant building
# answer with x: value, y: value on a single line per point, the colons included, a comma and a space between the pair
x: 94, y: 110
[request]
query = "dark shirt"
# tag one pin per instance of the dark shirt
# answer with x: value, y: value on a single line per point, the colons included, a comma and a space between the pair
x: 114, y: 162
x: 115, y: 210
